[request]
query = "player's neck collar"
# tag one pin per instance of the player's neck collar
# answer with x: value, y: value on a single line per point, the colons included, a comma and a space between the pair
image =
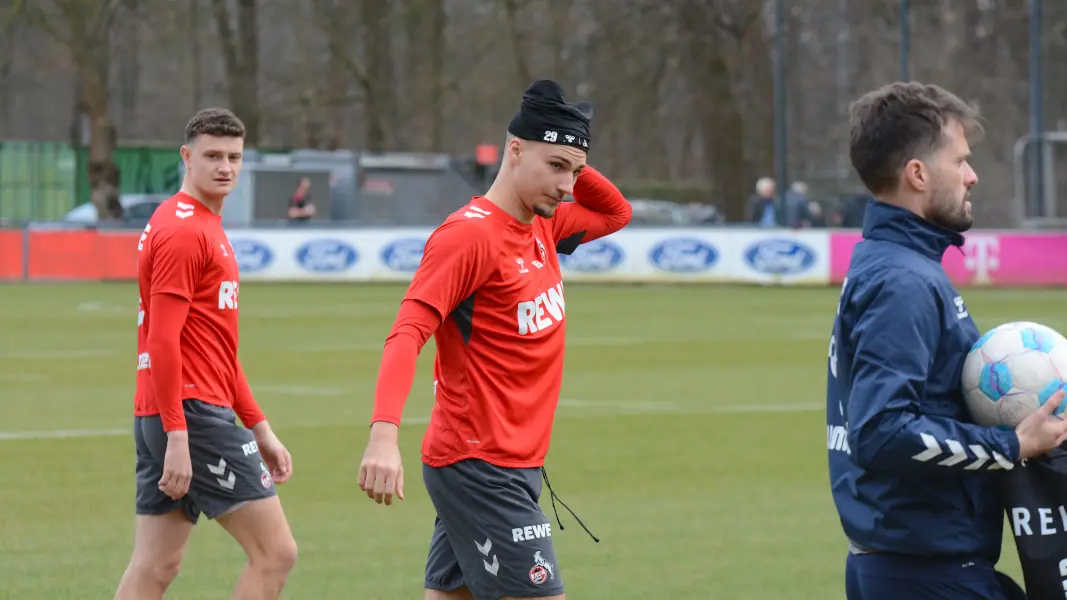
x: 208, y: 211
x: 890, y: 223
x: 501, y: 214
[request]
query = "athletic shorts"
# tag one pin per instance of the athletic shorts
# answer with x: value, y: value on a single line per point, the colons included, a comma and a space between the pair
x: 896, y: 577
x: 490, y: 534
x: 227, y: 468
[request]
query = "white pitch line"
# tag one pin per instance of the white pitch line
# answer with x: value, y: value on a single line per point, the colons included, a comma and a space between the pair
x: 649, y: 406
x: 62, y: 434
x: 613, y: 408
x: 22, y: 377
x: 56, y: 354
x: 339, y: 347
x: 377, y: 346
x: 300, y: 390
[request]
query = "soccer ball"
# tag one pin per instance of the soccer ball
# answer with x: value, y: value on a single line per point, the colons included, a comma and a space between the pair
x: 1011, y: 371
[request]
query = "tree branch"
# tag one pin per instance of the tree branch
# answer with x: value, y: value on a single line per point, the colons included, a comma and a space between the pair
x: 226, y: 37
x: 511, y: 9
x: 32, y: 14
x: 338, y: 48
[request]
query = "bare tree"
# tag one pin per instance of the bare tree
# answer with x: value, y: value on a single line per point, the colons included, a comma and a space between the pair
x: 192, y: 29
x: 516, y: 33
x: 723, y: 59
x: 85, y: 29
x: 7, y: 59
x: 682, y: 90
x: 240, y: 52
x: 376, y: 36
x: 421, y: 86
x: 338, y: 19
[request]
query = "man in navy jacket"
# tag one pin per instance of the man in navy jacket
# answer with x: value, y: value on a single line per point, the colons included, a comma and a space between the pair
x: 915, y: 481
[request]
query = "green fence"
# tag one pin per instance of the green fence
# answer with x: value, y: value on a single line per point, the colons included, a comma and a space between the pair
x: 37, y: 180
x: 44, y: 180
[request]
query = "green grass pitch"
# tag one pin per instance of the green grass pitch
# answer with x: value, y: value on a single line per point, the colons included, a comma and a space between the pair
x: 689, y: 439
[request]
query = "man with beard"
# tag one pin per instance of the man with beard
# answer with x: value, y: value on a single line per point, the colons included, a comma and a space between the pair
x: 916, y: 483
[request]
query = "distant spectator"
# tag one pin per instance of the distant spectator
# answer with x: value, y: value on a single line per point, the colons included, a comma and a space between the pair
x: 761, y: 208
x: 854, y: 209
x: 796, y: 206
x: 300, y: 207
x: 814, y: 215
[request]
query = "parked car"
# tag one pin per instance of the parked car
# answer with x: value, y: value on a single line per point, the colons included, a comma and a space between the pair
x: 651, y: 212
x: 137, y: 208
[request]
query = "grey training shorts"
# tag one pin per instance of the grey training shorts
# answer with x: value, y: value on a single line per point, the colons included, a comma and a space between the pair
x: 227, y: 468
x: 490, y: 534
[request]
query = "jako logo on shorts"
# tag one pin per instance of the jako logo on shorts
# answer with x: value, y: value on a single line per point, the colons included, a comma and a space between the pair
x: 595, y: 257
x: 403, y: 255
x: 779, y: 257
x: 683, y: 255
x: 251, y: 255
x: 326, y: 256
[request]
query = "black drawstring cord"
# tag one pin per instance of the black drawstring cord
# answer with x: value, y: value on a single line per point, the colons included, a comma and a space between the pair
x: 552, y: 496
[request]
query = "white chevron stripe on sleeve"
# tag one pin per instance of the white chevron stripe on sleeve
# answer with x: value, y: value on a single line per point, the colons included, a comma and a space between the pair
x: 958, y: 454
x: 983, y: 458
x: 933, y: 449
x: 1002, y: 462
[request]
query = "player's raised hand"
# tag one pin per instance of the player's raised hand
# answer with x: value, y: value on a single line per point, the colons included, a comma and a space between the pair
x: 381, y: 475
x: 274, y: 453
x: 177, y: 467
x: 1040, y: 431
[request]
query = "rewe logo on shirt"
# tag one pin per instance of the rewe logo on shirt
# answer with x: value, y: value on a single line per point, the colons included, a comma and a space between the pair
x: 543, y: 311
x: 228, y: 291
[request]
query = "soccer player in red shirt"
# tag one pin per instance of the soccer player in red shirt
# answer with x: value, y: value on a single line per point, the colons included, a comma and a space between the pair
x: 192, y: 457
x: 490, y: 291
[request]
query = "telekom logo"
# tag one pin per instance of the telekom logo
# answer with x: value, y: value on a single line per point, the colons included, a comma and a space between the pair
x: 982, y: 256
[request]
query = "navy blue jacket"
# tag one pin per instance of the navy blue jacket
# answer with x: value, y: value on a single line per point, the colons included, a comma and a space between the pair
x: 910, y: 472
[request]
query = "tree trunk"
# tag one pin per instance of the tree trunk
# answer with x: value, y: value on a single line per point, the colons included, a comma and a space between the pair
x: 240, y: 54
x: 710, y: 85
x: 439, y: 21
x: 379, y: 102
x: 336, y: 94
x: 102, y: 170
x: 194, y: 34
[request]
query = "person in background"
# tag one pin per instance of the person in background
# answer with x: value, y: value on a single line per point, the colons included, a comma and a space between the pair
x: 761, y: 208
x: 816, y: 216
x: 796, y: 206
x: 300, y: 205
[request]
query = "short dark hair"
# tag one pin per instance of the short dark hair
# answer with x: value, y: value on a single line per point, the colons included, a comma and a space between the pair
x: 217, y: 122
x: 901, y: 121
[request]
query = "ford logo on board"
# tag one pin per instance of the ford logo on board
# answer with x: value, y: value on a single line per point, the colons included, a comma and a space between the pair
x: 779, y: 257
x: 683, y: 255
x: 593, y: 257
x: 404, y: 255
x: 251, y: 255
x: 326, y: 256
